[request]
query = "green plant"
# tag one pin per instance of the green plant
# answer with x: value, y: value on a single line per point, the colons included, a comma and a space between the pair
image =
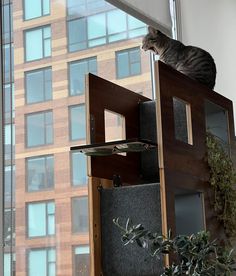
x: 195, y: 255
x: 222, y: 179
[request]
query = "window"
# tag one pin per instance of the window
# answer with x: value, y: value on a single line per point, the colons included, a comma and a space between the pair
x: 40, y: 173
x: 7, y: 33
x: 39, y: 8
x: 102, y: 28
x: 9, y: 264
x: 41, y: 219
x: 38, y: 85
x: 78, y: 70
x: 40, y: 38
x: 9, y: 134
x: 77, y: 122
x: 77, y: 8
x: 9, y: 101
x: 39, y: 129
x: 9, y: 184
x: 79, y: 169
x: 42, y: 262
x: 9, y: 226
x: 81, y: 260
x: 8, y: 63
x: 80, y: 215
x: 128, y: 63
x: 9, y: 141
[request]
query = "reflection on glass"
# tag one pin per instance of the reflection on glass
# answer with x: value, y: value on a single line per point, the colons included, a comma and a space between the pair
x: 56, y: 43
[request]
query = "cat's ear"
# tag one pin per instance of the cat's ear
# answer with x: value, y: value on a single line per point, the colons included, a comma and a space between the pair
x: 151, y: 30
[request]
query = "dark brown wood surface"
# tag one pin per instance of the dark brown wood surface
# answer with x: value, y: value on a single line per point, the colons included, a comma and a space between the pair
x: 104, y: 95
x: 183, y: 166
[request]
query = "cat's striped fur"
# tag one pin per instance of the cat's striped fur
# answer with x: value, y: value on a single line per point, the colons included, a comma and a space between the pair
x: 192, y: 61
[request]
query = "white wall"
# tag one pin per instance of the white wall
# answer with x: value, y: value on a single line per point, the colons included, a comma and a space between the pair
x: 211, y: 25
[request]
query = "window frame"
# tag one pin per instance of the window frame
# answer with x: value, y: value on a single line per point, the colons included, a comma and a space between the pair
x: 43, y: 40
x: 128, y: 50
x: 106, y: 37
x: 70, y: 107
x: 47, y: 254
x: 42, y: 15
x: 47, y: 215
x: 72, y: 221
x: 27, y: 173
x: 43, y: 69
x: 80, y: 186
x: 26, y: 129
x: 69, y: 72
x: 74, y: 256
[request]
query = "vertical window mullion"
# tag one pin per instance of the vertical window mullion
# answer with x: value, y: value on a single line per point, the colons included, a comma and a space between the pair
x: 47, y: 218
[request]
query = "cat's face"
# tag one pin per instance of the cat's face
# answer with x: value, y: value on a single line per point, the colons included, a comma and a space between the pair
x: 151, y: 40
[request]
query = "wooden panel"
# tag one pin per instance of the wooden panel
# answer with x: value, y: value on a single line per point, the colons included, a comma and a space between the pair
x: 95, y: 223
x: 100, y: 95
x: 183, y: 166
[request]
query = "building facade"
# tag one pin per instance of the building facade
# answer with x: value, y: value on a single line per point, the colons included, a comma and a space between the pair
x: 57, y: 42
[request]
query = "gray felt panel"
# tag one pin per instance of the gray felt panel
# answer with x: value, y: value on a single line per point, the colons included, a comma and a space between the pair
x: 141, y: 203
x: 148, y: 130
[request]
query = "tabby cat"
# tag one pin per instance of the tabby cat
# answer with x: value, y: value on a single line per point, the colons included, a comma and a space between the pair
x: 192, y: 61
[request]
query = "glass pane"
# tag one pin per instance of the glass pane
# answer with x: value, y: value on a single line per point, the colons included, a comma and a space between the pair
x: 78, y: 70
x: 46, y: 7
x: 79, y: 169
x: 96, y: 26
x: 38, y: 89
x: 51, y: 269
x: 39, y: 129
x: 81, y: 260
x: 32, y: 11
x: 182, y: 120
x: 40, y: 173
x: 77, y: 35
x: 122, y: 65
x: 37, y: 220
x: 37, y: 263
x: 48, y: 121
x: 7, y: 264
x: 33, y: 37
x: 112, y: 18
x: 77, y: 122
x: 134, y: 23
x: 9, y: 101
x: 80, y: 214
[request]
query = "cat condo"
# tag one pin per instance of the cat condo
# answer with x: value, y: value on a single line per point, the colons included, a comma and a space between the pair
x: 156, y: 174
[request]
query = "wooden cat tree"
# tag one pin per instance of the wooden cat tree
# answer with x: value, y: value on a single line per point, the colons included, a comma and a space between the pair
x: 164, y: 173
